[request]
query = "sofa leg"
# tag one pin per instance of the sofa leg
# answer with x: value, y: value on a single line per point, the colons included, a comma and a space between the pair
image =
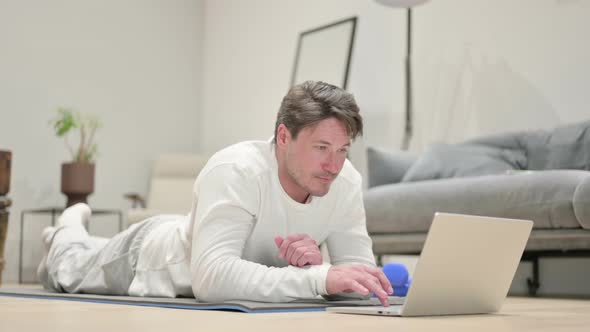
x: 534, y: 283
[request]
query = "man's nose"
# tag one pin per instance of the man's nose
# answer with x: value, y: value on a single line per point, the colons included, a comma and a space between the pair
x: 331, y: 164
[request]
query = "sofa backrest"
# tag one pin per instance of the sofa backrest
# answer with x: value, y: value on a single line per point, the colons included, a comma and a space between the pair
x: 387, y: 166
x: 564, y: 147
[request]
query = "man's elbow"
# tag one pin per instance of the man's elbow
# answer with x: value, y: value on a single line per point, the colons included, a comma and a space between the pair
x: 208, y: 284
x: 209, y: 290
x: 210, y: 295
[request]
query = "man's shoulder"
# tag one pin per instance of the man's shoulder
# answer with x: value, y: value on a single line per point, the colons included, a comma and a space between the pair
x: 248, y: 157
x: 349, y: 175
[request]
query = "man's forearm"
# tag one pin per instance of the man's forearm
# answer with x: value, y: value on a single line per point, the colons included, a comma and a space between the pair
x: 237, y: 279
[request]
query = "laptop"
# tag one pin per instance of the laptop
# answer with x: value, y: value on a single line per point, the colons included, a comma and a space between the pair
x: 466, y: 267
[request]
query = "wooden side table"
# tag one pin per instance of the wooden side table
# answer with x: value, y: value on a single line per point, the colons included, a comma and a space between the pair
x: 54, y: 211
x: 5, y: 164
x: 4, y: 203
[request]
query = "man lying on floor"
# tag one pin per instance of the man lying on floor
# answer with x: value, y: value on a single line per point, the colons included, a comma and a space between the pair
x: 260, y: 210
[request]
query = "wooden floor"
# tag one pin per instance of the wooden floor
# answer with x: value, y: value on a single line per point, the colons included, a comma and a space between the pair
x: 517, y: 314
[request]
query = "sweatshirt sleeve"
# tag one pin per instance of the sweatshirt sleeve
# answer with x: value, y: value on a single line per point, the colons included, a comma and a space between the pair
x: 224, y: 218
x: 349, y: 242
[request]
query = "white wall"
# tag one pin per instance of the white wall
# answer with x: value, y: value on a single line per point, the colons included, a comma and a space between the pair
x: 134, y: 63
x: 485, y: 67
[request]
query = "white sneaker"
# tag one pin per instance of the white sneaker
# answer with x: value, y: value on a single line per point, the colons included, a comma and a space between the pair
x: 76, y: 215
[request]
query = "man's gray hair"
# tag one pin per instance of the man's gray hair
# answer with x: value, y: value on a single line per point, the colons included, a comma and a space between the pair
x: 310, y: 102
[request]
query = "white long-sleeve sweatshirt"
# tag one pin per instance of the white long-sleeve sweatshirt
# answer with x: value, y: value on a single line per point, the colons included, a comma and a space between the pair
x: 224, y: 249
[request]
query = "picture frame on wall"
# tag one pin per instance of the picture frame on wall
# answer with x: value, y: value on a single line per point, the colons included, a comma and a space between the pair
x: 324, y: 53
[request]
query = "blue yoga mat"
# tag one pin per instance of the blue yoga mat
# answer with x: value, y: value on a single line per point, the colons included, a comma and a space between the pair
x: 190, y: 303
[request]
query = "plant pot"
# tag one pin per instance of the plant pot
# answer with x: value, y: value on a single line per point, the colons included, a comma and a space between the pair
x: 77, y: 181
x: 5, y: 158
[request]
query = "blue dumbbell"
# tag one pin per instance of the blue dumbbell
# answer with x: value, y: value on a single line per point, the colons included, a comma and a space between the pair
x: 397, y: 274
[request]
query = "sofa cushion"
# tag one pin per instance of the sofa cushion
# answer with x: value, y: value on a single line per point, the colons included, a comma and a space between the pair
x: 542, y: 196
x: 460, y: 160
x: 385, y: 166
x: 566, y: 147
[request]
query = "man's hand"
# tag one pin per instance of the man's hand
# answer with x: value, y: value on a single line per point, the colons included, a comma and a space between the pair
x: 299, y: 250
x: 360, y: 279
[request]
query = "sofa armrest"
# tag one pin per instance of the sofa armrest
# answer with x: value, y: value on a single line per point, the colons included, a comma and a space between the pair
x: 581, y: 203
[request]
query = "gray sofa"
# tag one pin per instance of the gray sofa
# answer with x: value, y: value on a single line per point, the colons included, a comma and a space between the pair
x: 538, y: 175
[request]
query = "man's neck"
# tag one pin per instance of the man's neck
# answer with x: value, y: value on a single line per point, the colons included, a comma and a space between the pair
x: 289, y: 186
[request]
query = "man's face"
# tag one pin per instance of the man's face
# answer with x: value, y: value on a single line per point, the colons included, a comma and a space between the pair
x: 315, y: 158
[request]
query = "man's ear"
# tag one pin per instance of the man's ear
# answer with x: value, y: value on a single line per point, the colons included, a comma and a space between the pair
x: 283, y: 135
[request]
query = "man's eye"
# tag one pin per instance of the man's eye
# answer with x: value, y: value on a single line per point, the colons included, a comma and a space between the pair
x: 321, y: 147
x: 344, y: 151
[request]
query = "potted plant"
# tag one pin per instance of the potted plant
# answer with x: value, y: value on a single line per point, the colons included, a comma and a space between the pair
x: 77, y: 176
